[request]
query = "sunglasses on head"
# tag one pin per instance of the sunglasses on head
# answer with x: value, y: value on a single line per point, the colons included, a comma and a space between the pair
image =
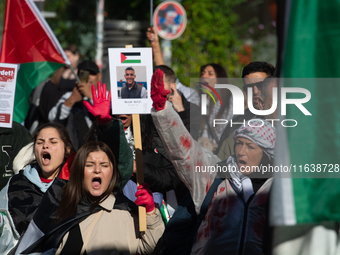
x: 257, y: 84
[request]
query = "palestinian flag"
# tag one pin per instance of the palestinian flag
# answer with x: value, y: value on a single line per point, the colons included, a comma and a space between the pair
x: 130, y: 58
x: 309, y: 37
x: 29, y: 41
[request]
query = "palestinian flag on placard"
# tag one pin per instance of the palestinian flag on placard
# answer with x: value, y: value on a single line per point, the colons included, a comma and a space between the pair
x: 309, y: 38
x: 130, y: 58
x: 29, y: 41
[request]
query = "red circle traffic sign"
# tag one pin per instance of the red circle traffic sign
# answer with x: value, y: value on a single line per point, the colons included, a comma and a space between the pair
x: 169, y: 20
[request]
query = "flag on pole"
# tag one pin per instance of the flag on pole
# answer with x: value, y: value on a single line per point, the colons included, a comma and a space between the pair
x: 310, y: 36
x: 311, y: 49
x: 29, y: 41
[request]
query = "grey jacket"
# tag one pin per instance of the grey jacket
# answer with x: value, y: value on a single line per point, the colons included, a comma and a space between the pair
x: 230, y: 225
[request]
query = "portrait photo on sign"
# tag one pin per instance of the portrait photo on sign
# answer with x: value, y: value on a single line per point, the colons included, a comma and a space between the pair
x: 130, y: 78
x: 131, y: 82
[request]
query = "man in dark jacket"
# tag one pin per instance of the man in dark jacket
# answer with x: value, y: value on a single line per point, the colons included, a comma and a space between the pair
x: 70, y: 110
x: 132, y: 89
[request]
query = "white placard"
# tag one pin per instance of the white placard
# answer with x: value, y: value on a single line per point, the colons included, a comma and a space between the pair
x: 130, y: 78
x: 8, y: 78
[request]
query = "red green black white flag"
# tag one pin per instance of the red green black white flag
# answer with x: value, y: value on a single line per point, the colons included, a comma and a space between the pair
x: 130, y: 57
x: 29, y: 41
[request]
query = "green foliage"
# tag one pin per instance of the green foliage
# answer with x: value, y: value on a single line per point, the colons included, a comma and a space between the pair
x: 128, y: 10
x: 2, y: 16
x: 210, y: 36
x: 75, y: 23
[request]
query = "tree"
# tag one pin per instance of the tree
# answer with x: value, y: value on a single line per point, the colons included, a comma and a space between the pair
x: 75, y: 23
x: 211, y: 36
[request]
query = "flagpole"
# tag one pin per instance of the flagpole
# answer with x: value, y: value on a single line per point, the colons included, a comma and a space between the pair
x: 74, y: 73
x: 151, y: 12
x: 99, y: 32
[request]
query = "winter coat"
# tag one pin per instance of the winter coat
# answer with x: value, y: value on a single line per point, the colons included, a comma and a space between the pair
x: 21, y: 197
x: 231, y: 226
x: 115, y: 232
x: 19, y: 200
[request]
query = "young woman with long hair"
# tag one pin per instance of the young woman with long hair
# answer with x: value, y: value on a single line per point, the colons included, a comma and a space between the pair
x: 92, y: 185
x: 20, y: 198
x: 210, y: 75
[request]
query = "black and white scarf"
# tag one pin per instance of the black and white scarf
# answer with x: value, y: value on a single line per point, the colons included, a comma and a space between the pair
x: 241, y: 182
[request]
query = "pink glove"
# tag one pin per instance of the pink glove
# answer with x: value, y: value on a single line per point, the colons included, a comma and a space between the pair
x: 101, y: 105
x: 158, y: 93
x: 144, y: 197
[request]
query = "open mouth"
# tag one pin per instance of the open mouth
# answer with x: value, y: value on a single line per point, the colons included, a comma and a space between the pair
x: 46, y: 158
x: 242, y: 162
x: 123, y: 119
x: 96, y: 183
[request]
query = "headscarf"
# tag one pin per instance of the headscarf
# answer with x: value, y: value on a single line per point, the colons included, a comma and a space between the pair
x: 263, y: 134
x: 260, y: 132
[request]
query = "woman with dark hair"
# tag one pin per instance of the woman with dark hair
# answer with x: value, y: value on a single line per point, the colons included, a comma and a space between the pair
x: 92, y: 182
x: 20, y: 198
x: 210, y: 75
x: 77, y: 189
x: 68, y: 80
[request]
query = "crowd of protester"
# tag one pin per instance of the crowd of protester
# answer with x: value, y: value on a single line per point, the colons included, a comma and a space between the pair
x: 71, y: 187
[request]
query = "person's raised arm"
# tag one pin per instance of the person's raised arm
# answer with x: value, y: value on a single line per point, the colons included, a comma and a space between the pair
x: 156, y: 48
x: 188, y: 157
x: 111, y: 131
x: 75, y: 97
x: 61, y: 111
x: 101, y: 105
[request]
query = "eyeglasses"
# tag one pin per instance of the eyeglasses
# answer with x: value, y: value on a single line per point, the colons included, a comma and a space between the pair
x: 129, y: 74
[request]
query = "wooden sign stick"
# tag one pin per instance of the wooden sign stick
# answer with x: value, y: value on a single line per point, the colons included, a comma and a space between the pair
x: 139, y: 163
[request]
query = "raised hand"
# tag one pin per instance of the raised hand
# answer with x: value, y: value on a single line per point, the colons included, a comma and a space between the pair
x: 156, y: 48
x: 152, y: 36
x: 85, y: 89
x: 176, y: 99
x: 158, y: 93
x: 145, y: 198
x: 101, y: 104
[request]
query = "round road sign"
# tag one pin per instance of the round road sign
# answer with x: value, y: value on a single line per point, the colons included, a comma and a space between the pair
x: 169, y: 20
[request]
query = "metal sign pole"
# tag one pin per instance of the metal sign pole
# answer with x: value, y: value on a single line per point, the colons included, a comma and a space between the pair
x: 167, y: 51
x: 100, y: 34
x: 151, y: 12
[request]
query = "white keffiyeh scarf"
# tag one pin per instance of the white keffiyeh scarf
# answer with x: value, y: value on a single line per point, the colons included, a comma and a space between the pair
x: 241, y: 182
